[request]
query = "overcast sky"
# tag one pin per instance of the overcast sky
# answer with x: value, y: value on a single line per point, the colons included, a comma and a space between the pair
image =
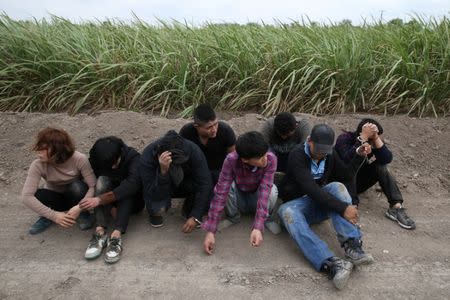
x: 241, y: 11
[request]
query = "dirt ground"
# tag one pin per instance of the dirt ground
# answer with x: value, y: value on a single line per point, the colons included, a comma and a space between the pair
x: 165, y: 263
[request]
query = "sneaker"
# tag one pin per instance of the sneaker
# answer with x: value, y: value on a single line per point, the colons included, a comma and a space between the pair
x: 156, y: 221
x: 41, y: 225
x: 399, y: 215
x: 338, y: 270
x: 273, y: 227
x: 113, y: 250
x: 355, y: 253
x: 85, y: 221
x: 96, y: 245
x: 225, y: 223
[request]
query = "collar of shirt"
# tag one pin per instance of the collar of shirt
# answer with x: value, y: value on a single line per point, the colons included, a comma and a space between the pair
x: 317, y: 167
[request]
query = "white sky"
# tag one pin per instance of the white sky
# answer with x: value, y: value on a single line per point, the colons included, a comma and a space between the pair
x: 241, y: 11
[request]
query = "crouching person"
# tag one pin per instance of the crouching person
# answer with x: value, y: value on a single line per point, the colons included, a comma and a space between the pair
x: 118, y: 193
x: 175, y: 167
x: 68, y: 179
x: 312, y: 195
x: 245, y: 185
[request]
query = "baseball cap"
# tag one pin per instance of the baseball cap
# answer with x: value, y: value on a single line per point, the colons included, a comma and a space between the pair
x: 323, y: 137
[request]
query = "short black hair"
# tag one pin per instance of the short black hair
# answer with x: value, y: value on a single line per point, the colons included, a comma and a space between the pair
x: 284, y: 123
x: 105, y: 152
x: 368, y: 120
x: 170, y: 141
x: 204, y: 113
x: 251, y: 145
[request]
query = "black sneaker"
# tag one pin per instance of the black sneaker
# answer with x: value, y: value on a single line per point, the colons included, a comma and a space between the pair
x: 156, y: 221
x: 338, y: 270
x: 399, y: 215
x: 355, y: 253
x: 113, y: 250
x: 96, y: 245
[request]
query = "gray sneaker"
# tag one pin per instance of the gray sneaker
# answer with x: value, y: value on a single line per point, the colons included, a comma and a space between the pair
x: 85, y: 220
x: 355, y: 253
x: 399, y: 215
x: 113, y: 250
x: 96, y: 245
x: 338, y: 270
x: 273, y: 226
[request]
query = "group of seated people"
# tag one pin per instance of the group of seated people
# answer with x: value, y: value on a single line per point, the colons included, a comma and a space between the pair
x: 287, y: 174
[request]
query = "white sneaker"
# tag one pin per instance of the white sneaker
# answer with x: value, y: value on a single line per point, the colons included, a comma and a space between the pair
x: 96, y: 245
x: 225, y: 223
x: 273, y: 227
x: 113, y: 250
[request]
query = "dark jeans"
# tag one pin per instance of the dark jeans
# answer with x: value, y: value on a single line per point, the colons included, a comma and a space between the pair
x: 185, y: 190
x: 368, y: 175
x: 64, y: 201
x: 125, y: 207
x: 282, y: 161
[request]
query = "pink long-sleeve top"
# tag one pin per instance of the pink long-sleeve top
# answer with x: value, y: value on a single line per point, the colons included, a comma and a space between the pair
x: 56, y: 177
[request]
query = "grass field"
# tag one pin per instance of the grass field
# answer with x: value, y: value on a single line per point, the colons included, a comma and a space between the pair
x: 393, y: 67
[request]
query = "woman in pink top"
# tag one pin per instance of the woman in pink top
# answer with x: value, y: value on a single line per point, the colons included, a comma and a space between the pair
x: 68, y: 179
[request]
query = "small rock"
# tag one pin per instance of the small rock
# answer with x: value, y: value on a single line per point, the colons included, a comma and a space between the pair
x: 416, y: 175
x: 412, y: 145
x: 385, y: 251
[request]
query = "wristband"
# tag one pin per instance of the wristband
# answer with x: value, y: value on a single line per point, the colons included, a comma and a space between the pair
x: 360, y: 139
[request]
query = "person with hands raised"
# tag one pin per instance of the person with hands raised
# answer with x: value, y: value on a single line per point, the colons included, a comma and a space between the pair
x: 374, y: 169
x: 245, y: 186
x: 68, y: 179
x: 313, y: 192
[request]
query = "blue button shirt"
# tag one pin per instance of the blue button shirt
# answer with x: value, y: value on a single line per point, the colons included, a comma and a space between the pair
x: 317, y: 167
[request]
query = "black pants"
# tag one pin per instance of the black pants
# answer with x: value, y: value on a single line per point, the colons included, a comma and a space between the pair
x: 125, y: 207
x: 367, y: 176
x: 282, y: 161
x: 64, y: 201
x: 184, y: 190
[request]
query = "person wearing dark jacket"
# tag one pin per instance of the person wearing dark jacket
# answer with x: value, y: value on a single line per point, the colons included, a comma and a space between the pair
x: 312, y: 193
x: 118, y: 192
x: 175, y: 167
x: 215, y: 138
x: 374, y: 168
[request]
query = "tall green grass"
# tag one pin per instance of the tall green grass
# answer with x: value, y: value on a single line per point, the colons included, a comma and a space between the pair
x: 380, y: 67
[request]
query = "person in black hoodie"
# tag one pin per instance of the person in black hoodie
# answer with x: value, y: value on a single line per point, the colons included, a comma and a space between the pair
x: 374, y: 169
x: 175, y: 167
x: 118, y: 191
x: 313, y: 193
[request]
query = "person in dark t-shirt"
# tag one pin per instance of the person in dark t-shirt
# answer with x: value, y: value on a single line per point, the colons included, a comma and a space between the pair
x: 215, y: 138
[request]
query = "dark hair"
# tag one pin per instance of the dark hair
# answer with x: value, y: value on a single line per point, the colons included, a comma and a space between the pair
x: 171, y: 140
x: 284, y: 123
x: 58, y: 143
x: 204, y: 113
x: 251, y: 145
x: 368, y: 120
x: 105, y: 152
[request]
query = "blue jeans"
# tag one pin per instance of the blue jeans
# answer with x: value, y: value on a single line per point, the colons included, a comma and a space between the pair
x: 242, y: 202
x: 297, y: 216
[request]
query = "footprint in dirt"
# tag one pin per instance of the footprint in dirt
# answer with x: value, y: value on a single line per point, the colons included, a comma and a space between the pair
x: 68, y: 283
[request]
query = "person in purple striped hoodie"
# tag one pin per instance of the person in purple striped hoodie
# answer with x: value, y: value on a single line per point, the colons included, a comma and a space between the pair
x: 245, y: 185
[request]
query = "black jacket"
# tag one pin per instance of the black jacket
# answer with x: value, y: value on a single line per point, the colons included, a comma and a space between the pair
x: 127, y: 174
x: 159, y: 188
x: 299, y: 180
